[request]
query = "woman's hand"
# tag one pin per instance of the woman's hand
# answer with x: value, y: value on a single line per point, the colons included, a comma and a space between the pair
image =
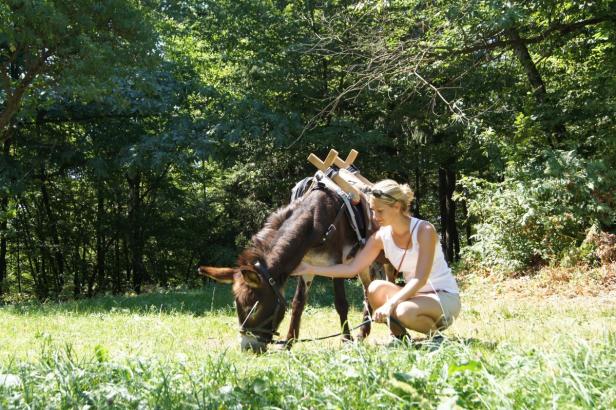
x: 302, y: 269
x: 383, y: 313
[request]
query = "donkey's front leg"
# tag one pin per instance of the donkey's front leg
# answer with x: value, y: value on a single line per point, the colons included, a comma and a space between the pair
x: 375, y: 271
x: 342, y: 307
x: 297, y: 307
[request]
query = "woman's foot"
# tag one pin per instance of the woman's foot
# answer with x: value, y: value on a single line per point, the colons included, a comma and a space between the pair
x: 433, y: 343
x: 403, y: 339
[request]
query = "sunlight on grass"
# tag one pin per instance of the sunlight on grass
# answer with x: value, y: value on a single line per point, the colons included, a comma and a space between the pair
x: 180, y: 350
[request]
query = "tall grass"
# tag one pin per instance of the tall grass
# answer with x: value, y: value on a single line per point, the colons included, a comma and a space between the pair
x: 356, y: 376
x: 179, y: 350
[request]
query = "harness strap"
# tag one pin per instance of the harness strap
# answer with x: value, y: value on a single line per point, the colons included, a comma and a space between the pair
x: 346, y: 199
x: 281, y: 303
x: 332, y: 227
x: 263, y: 271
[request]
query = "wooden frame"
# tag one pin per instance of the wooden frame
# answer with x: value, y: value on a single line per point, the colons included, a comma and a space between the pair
x: 351, y: 182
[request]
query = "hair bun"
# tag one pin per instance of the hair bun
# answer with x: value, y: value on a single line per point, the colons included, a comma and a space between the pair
x: 401, y: 193
x: 407, y: 192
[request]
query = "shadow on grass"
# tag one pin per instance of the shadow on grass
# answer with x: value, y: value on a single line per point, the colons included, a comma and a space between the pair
x: 475, y: 343
x: 429, y: 344
x: 212, y: 297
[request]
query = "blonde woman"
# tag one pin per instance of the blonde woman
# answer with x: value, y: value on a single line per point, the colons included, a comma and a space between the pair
x: 429, y: 300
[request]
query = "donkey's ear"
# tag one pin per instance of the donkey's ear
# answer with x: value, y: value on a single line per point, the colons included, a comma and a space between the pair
x: 251, y: 278
x: 222, y: 275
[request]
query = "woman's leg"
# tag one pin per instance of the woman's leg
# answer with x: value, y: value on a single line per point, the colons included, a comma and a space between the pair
x: 420, y: 313
x: 379, y: 291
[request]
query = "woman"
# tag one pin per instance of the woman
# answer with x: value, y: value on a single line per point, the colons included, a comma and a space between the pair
x: 429, y: 301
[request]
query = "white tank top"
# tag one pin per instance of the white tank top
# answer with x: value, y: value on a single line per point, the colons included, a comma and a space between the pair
x: 440, y: 277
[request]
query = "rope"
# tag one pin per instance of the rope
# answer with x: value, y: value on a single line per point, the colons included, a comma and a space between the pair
x: 316, y: 339
x: 284, y: 342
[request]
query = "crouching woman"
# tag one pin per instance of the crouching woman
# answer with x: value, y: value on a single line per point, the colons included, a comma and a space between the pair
x: 429, y: 300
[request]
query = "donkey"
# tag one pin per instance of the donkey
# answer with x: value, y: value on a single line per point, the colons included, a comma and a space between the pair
x: 311, y: 229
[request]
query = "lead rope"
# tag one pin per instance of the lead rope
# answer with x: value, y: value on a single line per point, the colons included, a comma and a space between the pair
x: 284, y: 342
x: 249, y: 313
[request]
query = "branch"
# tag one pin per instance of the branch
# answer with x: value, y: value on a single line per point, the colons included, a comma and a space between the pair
x: 13, y: 100
x: 494, y: 42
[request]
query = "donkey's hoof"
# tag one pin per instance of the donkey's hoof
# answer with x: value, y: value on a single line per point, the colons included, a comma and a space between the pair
x: 279, y: 348
x: 347, y: 338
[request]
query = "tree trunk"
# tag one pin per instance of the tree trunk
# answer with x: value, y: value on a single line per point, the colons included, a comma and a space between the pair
x: 97, y: 277
x: 135, y: 236
x: 536, y: 81
x: 37, y: 270
x: 453, y: 245
x: 101, y: 247
x: 4, y: 205
x: 18, y: 271
x: 449, y: 231
x: 58, y: 256
x: 417, y: 200
x: 467, y: 224
x: 442, y: 201
x: 4, y: 202
x: 128, y: 270
x: 14, y: 96
x: 77, y: 276
x: 44, y: 289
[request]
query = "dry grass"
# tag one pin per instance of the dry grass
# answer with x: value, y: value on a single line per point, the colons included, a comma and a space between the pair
x: 568, y: 282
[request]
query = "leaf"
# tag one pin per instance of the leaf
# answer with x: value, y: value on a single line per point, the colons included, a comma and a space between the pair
x: 101, y: 353
x: 226, y: 389
x: 259, y: 386
x: 9, y: 380
x: 403, y: 387
x: 448, y: 403
x: 470, y: 366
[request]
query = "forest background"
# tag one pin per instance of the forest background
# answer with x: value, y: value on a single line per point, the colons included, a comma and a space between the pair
x: 139, y: 137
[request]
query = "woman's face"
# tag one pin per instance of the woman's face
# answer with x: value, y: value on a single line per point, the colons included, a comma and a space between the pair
x: 383, y: 213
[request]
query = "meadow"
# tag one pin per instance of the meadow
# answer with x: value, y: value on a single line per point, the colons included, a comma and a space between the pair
x: 179, y: 349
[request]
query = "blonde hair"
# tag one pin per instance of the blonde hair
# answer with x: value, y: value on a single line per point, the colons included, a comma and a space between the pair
x: 394, y: 192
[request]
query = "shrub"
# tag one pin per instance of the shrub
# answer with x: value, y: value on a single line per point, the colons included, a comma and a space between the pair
x: 540, y: 213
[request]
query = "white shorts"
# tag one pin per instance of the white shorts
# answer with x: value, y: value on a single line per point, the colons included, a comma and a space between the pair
x: 450, y: 304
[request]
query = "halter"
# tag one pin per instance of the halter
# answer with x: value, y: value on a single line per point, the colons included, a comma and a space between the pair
x: 261, y: 332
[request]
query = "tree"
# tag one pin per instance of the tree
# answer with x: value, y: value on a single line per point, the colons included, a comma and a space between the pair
x: 46, y: 45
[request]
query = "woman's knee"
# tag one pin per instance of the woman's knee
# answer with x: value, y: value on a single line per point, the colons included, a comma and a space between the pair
x: 406, y: 312
x: 377, y: 293
x: 375, y: 286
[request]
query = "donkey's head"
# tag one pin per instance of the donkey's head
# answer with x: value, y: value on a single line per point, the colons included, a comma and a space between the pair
x: 259, y: 299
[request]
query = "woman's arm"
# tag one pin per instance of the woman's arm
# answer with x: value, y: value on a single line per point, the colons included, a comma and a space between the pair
x: 363, y: 259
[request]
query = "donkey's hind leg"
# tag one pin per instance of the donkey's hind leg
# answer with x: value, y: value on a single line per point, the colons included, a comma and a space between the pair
x: 342, y: 307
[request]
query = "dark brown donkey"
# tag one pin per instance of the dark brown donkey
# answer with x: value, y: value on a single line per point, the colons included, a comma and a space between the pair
x: 299, y: 231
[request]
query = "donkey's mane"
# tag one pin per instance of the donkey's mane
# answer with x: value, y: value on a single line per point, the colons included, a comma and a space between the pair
x: 262, y: 241
x: 288, y: 229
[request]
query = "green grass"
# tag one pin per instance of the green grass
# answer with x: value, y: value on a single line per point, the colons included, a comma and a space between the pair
x: 180, y: 350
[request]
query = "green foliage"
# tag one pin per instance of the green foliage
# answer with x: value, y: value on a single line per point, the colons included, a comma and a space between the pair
x: 146, y: 136
x: 540, y: 213
x: 51, y: 49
